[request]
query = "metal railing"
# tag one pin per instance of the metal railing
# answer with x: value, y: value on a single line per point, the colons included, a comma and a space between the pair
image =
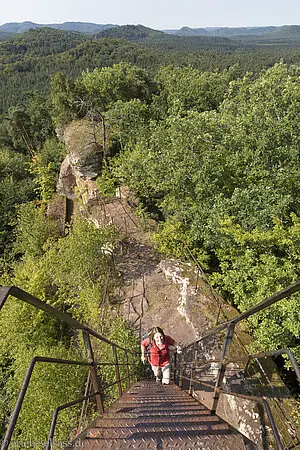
x: 192, y: 350
x: 189, y: 364
x: 97, y: 387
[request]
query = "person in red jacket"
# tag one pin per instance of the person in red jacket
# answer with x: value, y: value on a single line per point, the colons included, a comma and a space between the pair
x: 159, y: 356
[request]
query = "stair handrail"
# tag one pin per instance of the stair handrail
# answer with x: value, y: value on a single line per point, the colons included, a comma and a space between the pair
x: 287, y: 292
x: 248, y: 358
x: 20, y: 294
x: 262, y: 400
x: 229, y: 326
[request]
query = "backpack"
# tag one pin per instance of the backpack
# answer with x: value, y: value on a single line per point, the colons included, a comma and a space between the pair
x: 146, y: 335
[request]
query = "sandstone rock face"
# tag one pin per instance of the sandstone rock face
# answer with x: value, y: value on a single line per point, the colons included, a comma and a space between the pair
x: 83, y: 161
x: 174, y: 271
x: 67, y: 180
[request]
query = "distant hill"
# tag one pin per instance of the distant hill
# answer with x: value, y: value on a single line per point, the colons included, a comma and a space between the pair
x: 166, y: 41
x: 81, y: 27
x: 140, y: 32
x: 285, y: 32
x: 240, y: 31
x: 270, y: 32
x: 130, y: 32
x: 38, y: 42
x: 271, y: 35
x: 186, y: 31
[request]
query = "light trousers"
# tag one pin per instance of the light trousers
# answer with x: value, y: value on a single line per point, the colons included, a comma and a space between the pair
x: 162, y: 373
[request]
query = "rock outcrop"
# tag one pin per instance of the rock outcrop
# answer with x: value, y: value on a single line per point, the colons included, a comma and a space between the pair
x: 83, y: 161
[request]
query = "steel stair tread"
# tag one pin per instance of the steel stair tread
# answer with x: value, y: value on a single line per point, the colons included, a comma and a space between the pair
x: 155, y: 416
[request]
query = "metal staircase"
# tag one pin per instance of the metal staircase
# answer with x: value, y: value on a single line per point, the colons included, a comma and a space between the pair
x: 147, y: 415
x: 153, y: 416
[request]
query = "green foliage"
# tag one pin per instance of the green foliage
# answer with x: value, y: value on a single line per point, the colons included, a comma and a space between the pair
x: 16, y: 187
x: 40, y: 41
x: 45, y: 166
x: 106, y: 182
x: 22, y: 338
x: 18, y: 127
x: 131, y: 32
x: 29, y: 60
x: 20, y: 180
x: 160, y: 171
x: 41, y: 124
x: 72, y: 271
x: 17, y: 184
x: 57, y: 384
x: 239, y: 161
x: 171, y: 238
x: 12, y: 164
x: 53, y: 152
x: 69, y: 273
x: 79, y: 261
x: 65, y: 99
x: 44, y: 178
x: 128, y: 121
x: 120, y: 82
x: 184, y: 89
x: 27, y: 127
x: 213, y: 156
x: 253, y: 266
x: 264, y: 141
x: 33, y: 230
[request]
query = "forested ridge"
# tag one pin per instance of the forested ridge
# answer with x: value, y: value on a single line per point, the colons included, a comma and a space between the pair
x: 29, y: 60
x: 209, y: 147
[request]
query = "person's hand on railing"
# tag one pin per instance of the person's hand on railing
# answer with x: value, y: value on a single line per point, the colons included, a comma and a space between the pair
x: 179, y: 349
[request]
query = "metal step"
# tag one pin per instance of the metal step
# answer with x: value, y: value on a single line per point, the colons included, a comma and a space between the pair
x: 153, y: 416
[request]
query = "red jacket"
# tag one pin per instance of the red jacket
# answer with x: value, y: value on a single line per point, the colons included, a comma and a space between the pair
x: 159, y: 357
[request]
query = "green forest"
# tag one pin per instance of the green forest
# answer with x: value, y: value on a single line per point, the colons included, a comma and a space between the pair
x: 203, y: 130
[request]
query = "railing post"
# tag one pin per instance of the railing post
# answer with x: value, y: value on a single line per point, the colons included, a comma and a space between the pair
x: 15, y: 415
x: 273, y: 425
x: 180, y: 382
x: 118, y: 378
x: 222, y: 366
x: 197, y: 278
x: 246, y: 367
x: 133, y: 369
x: 175, y: 367
x: 127, y: 368
x: 93, y: 371
x: 52, y: 429
x: 4, y: 293
x: 219, y: 312
x: 84, y: 404
x: 193, y: 369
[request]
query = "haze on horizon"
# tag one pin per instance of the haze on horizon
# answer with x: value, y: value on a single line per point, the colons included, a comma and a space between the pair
x: 157, y: 14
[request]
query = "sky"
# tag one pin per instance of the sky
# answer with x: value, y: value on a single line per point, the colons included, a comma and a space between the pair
x: 157, y: 14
